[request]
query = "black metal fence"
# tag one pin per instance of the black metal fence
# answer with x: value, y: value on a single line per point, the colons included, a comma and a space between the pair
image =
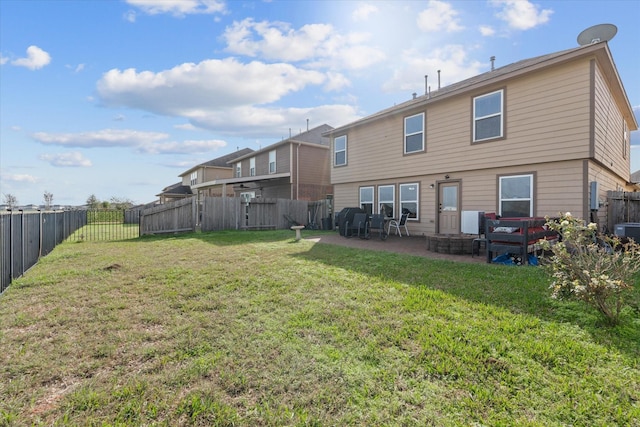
x: 27, y: 236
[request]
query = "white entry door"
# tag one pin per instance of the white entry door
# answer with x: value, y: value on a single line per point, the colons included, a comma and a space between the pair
x: 448, y: 207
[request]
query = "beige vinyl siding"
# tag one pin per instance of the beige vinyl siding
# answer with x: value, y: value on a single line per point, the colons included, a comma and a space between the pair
x: 608, y: 128
x: 558, y: 187
x: 314, y: 165
x: 282, y: 159
x: 214, y: 173
x: 546, y: 119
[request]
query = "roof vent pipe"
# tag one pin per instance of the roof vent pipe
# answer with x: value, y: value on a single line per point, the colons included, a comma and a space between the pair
x: 414, y: 95
x: 426, y: 87
x: 438, y: 79
x: 493, y: 60
x: 429, y: 95
x: 307, y: 125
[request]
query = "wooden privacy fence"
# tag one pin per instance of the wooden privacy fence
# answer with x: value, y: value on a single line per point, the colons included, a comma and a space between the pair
x: 231, y: 213
x: 622, y: 206
x: 174, y: 217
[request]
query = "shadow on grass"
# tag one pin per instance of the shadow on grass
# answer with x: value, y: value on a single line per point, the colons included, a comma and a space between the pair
x: 520, y: 290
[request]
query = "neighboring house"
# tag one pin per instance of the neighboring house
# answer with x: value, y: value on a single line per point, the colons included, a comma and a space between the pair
x: 297, y: 168
x: 635, y: 177
x: 528, y: 139
x: 200, y: 179
x: 174, y: 192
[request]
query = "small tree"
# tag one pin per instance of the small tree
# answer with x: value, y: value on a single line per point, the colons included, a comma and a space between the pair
x: 48, y: 200
x: 93, y: 202
x: 121, y: 203
x: 10, y: 200
x: 591, y: 267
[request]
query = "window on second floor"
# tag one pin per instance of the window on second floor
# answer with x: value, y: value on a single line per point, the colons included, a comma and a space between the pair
x: 366, y: 199
x: 194, y: 178
x: 516, y: 196
x: 340, y: 151
x: 409, y: 199
x: 238, y: 170
x: 386, y: 200
x: 488, y: 116
x: 414, y: 133
x: 272, y: 161
x: 252, y: 166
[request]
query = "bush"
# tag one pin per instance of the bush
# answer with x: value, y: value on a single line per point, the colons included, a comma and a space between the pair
x: 590, y: 266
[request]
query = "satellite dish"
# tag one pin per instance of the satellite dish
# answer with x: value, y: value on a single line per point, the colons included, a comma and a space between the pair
x: 597, y: 33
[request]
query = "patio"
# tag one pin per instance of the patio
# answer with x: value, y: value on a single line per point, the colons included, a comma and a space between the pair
x: 413, y: 245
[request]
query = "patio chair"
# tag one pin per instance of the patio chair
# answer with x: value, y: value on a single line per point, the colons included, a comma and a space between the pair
x: 377, y: 223
x: 398, y: 224
x: 358, y: 225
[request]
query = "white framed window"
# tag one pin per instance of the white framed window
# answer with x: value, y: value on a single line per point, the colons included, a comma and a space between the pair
x: 409, y: 194
x: 387, y: 200
x: 238, y: 170
x: 516, y: 196
x: 272, y: 161
x: 252, y: 166
x: 340, y: 151
x: 194, y: 178
x: 414, y: 133
x: 366, y: 199
x: 488, y: 116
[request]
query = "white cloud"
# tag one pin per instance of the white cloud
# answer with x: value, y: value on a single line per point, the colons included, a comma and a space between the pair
x: 439, y: 16
x: 36, y: 59
x: 486, y: 30
x: 184, y: 147
x: 3, y: 59
x: 144, y: 142
x: 452, y: 60
x: 363, y: 11
x: 101, y: 138
x: 319, y: 44
x: 130, y: 16
x: 195, y: 90
x: 185, y: 126
x: 71, y: 159
x: 522, y: 14
x: 178, y: 7
x: 255, y: 122
x: 9, y: 177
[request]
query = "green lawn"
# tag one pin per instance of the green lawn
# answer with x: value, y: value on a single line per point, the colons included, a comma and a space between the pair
x: 253, y: 328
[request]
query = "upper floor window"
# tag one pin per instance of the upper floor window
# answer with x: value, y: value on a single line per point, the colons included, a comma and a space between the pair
x: 516, y: 196
x: 488, y: 116
x: 366, y: 199
x: 194, y: 178
x: 409, y: 199
x: 252, y: 166
x: 272, y: 161
x: 340, y: 151
x: 414, y: 133
x: 386, y: 200
x: 238, y: 170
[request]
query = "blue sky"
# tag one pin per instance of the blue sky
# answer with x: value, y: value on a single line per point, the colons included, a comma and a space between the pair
x: 117, y: 98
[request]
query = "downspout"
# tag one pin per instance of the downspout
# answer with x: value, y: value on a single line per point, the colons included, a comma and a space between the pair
x: 298, y: 172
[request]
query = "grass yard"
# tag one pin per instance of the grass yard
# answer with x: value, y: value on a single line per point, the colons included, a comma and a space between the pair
x: 253, y: 328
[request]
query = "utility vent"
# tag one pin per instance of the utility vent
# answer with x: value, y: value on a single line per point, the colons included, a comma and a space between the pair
x: 628, y: 229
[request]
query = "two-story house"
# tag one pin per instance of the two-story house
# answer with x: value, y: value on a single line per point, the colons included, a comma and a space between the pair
x: 537, y: 137
x: 207, y: 172
x: 297, y: 168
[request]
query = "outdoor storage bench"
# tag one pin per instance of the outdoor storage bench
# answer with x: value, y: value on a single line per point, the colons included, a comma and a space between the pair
x: 516, y: 236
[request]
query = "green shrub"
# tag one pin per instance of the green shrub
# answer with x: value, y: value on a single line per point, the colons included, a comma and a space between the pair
x: 590, y: 266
